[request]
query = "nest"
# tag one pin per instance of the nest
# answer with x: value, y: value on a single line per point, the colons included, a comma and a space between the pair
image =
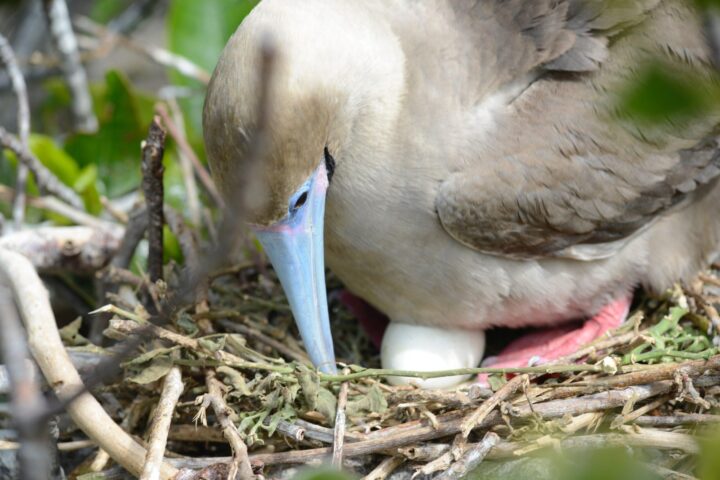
x: 250, y: 393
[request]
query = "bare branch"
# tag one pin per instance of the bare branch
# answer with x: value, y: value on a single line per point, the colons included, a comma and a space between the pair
x: 45, y: 179
x: 7, y: 56
x: 162, y: 418
x: 34, y: 454
x: 76, y: 249
x: 152, y: 185
x: 66, y: 44
x: 339, y: 434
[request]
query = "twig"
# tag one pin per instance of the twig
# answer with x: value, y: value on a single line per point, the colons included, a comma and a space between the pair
x: 471, y: 459
x: 189, y: 153
x: 160, y: 56
x: 152, y: 185
x: 44, y: 178
x: 172, y: 389
x: 34, y: 455
x: 339, y: 434
x: 7, y: 56
x: 47, y: 348
x: 186, y: 237
x: 134, y: 233
x: 384, y: 469
x: 240, y: 462
x: 66, y: 44
x: 186, y: 165
x: 55, y: 205
x: 132, y: 16
x: 484, y: 410
x: 76, y: 249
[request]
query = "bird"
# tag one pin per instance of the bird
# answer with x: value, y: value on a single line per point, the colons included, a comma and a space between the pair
x: 462, y: 165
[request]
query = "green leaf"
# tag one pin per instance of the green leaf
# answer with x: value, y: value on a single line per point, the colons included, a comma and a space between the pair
x: 70, y: 333
x: 322, y: 474
x: 115, y: 147
x: 317, y: 397
x: 157, y: 369
x: 199, y: 30
x: 665, y: 93
x: 373, y: 402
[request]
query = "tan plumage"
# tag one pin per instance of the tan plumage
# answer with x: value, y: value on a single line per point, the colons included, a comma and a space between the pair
x: 482, y: 178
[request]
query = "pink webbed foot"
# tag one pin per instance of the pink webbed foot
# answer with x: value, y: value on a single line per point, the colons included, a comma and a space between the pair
x: 547, y: 345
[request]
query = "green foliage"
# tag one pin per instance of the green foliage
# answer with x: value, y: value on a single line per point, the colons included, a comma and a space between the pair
x: 105, y: 10
x: 709, y: 458
x: 322, y: 474
x: 124, y: 117
x: 663, y: 93
x: 199, y: 31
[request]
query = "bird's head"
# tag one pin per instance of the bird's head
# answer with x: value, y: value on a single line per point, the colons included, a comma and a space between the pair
x: 334, y: 86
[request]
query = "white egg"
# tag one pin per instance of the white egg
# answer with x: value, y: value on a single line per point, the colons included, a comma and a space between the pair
x: 421, y: 348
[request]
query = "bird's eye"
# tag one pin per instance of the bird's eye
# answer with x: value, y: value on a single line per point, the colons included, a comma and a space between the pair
x: 329, y: 164
x: 301, y: 200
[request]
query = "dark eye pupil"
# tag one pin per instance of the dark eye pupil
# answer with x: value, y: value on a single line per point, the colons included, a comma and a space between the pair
x: 300, y: 201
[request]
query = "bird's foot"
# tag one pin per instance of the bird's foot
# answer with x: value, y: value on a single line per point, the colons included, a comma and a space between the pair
x: 419, y: 348
x: 547, y: 345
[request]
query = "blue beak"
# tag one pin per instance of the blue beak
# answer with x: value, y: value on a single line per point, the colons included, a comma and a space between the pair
x: 295, y: 248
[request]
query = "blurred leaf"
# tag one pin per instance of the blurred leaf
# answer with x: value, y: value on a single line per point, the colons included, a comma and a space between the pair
x: 322, y: 474
x: 54, y: 158
x: 709, y: 458
x: 662, y: 93
x: 115, y: 147
x: 105, y: 10
x: 199, y: 30
x: 603, y: 464
x: 157, y: 369
x: 171, y: 246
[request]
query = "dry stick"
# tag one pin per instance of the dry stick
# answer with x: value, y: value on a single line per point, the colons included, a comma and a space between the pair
x: 34, y: 455
x: 152, y: 185
x: 471, y: 458
x: 45, y: 179
x: 172, y: 389
x: 55, y: 205
x: 134, y: 233
x: 47, y: 348
x: 160, y: 56
x: 241, y: 463
x: 186, y: 166
x: 339, y: 434
x: 186, y: 149
x: 186, y: 237
x: 7, y: 56
x: 66, y: 44
x: 484, y: 410
x: 77, y: 249
x: 385, y: 468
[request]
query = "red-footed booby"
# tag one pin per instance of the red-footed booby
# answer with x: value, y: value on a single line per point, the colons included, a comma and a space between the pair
x: 459, y: 165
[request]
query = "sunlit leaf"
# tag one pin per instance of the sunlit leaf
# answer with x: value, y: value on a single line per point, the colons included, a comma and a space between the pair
x: 198, y: 30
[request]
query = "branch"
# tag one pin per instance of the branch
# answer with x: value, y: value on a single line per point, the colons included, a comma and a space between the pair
x: 27, y: 400
x: 339, y: 434
x: 7, y: 56
x: 66, y: 44
x: 47, y: 348
x: 44, y: 178
x: 162, y: 418
x: 152, y: 185
x: 240, y: 461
